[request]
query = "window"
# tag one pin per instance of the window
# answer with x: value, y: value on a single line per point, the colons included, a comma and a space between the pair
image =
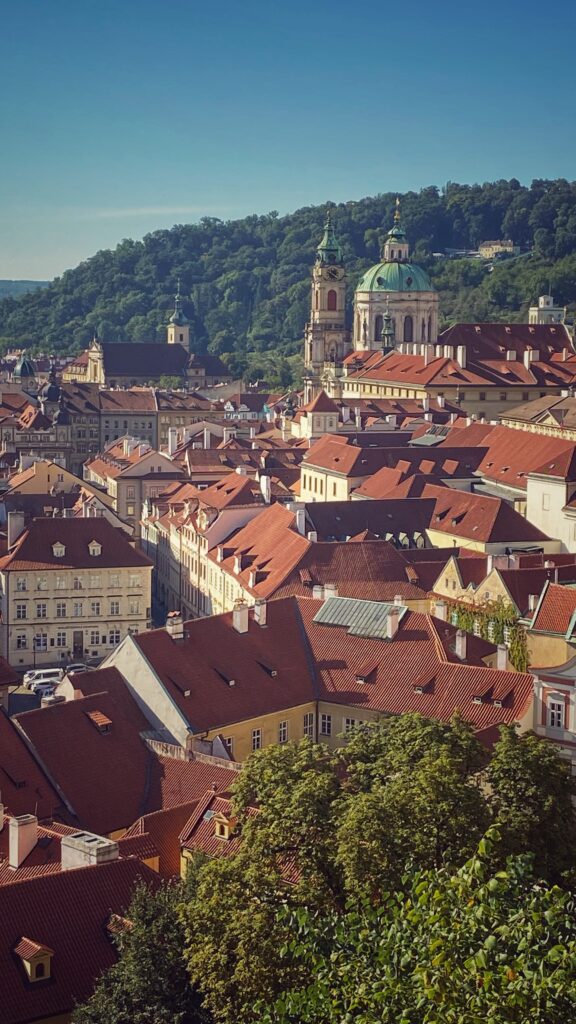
x: 21, y: 611
x: 95, y: 607
x: 325, y: 725
x: 546, y: 502
x: 60, y: 638
x: 94, y: 548
x: 482, y: 396
x: 41, y: 641
x: 503, y: 396
x: 332, y: 300
x: 58, y: 550
x: 134, y: 580
x: 408, y: 328
x: 555, y: 714
x: 77, y: 609
x: 60, y: 610
x: 282, y: 732
x: 114, y: 637
x: 129, y: 510
x: 78, y: 583
x: 114, y: 579
x: 130, y: 493
x: 95, y: 581
x: 60, y: 583
x: 349, y: 724
x: 21, y: 584
x: 94, y: 637
x: 41, y: 610
x: 135, y: 607
x: 256, y: 739
x: 309, y: 725
x: 41, y: 583
x: 378, y: 327
x: 21, y: 641
x: 229, y: 744
x: 114, y: 607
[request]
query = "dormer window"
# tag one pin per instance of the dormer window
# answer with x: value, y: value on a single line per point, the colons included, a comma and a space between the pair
x: 94, y: 548
x: 58, y: 550
x: 36, y: 959
x: 223, y: 826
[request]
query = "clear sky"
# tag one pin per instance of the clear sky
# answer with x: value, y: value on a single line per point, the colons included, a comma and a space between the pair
x: 118, y: 117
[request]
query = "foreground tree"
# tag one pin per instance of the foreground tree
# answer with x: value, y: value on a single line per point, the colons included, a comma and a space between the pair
x: 450, y: 948
x: 149, y: 984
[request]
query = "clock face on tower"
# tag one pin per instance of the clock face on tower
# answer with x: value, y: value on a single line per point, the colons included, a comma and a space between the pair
x: 334, y: 273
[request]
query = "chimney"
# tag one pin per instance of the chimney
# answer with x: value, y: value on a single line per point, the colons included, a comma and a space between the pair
x: 502, y: 658
x: 312, y: 536
x: 510, y: 355
x: 227, y: 434
x: 266, y: 488
x: 175, y: 625
x: 260, y: 611
x: 240, y: 616
x: 448, y: 352
x: 440, y: 610
x: 15, y: 527
x: 318, y: 592
x: 252, y: 433
x: 441, y: 401
x: 425, y: 403
x: 206, y: 438
x: 23, y: 836
x: 172, y: 440
x: 398, y: 600
x: 241, y: 470
x: 301, y: 521
x: 489, y: 563
x: 392, y: 620
x: 330, y: 590
x: 84, y: 849
x: 358, y: 418
x: 461, y: 644
x: 461, y: 356
x: 532, y: 602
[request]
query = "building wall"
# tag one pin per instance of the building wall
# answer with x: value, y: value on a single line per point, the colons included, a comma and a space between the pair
x: 548, y: 650
x: 241, y: 733
x: 318, y: 484
x: 100, y: 606
x: 545, y: 501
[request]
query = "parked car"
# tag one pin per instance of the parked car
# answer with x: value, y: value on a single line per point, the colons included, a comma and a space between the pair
x: 43, y: 689
x: 75, y: 667
x: 42, y: 675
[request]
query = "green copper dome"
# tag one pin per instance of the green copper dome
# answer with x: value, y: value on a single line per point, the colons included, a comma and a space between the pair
x: 395, y: 277
x: 329, y: 251
x: 24, y: 369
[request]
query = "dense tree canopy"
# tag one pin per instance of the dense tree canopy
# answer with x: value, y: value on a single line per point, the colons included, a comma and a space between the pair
x: 246, y: 282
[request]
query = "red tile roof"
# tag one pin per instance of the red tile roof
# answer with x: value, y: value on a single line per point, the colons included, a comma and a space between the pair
x: 478, y: 517
x: 163, y: 829
x: 24, y: 787
x: 33, y: 549
x: 67, y: 913
x: 555, y: 610
x: 511, y: 454
x: 322, y: 403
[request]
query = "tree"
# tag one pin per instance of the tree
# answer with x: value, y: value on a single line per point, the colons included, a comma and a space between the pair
x: 532, y: 792
x: 450, y: 948
x: 149, y: 984
x: 169, y: 383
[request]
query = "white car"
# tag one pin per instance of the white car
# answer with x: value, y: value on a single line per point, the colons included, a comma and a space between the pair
x: 43, y: 689
x: 75, y: 667
x: 42, y: 675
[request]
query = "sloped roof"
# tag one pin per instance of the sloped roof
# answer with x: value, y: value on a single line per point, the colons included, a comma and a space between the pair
x: 555, y: 610
x: 139, y: 359
x: 478, y: 517
x: 24, y: 786
x: 321, y: 403
x: 510, y: 455
x: 33, y: 549
x: 67, y: 913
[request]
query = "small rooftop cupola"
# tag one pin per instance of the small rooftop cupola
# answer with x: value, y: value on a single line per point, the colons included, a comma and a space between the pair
x: 396, y: 248
x: 329, y: 252
x: 178, y: 331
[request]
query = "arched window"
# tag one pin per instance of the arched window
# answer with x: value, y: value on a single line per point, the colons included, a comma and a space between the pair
x: 332, y: 300
x: 378, y: 325
x: 358, y: 326
x: 429, y: 328
x: 316, y: 300
x: 391, y: 254
x: 423, y: 335
x: 40, y: 970
x: 408, y: 328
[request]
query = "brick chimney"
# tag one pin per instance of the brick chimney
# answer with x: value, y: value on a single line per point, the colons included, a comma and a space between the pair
x: 23, y: 836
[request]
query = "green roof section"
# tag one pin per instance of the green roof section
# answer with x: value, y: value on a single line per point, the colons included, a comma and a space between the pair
x: 329, y: 251
x: 395, y: 277
x: 361, y: 618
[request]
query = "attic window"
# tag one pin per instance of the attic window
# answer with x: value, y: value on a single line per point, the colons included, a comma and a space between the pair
x: 477, y: 699
x: 36, y: 959
x: 223, y: 827
x: 95, y: 548
x: 58, y: 550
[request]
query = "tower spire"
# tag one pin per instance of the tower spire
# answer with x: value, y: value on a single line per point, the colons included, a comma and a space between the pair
x: 397, y: 217
x: 178, y: 316
x: 329, y: 250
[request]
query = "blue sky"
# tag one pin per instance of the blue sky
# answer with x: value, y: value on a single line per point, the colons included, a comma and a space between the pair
x: 118, y: 117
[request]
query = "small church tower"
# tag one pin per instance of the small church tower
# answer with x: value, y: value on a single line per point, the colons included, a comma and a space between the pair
x: 178, y: 330
x: 326, y: 337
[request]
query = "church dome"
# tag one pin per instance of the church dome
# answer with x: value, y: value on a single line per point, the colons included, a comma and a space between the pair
x: 395, y: 277
x: 24, y: 369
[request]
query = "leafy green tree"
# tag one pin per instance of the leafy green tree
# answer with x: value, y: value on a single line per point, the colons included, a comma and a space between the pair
x: 150, y: 983
x: 450, y: 948
x: 532, y: 791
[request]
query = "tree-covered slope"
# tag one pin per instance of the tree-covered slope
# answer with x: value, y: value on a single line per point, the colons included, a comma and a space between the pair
x: 246, y: 282
x: 15, y: 288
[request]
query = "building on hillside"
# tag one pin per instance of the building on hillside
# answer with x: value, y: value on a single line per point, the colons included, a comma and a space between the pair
x: 70, y: 589
x: 289, y: 670
x: 546, y: 312
x: 498, y: 247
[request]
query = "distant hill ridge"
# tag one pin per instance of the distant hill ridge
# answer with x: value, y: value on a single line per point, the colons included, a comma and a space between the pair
x: 246, y: 283
x: 16, y: 288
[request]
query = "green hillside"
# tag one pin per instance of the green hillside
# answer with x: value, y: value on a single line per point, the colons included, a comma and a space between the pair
x: 15, y: 288
x: 246, y: 282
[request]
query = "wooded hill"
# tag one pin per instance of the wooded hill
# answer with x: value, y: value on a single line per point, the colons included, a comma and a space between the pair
x: 246, y: 282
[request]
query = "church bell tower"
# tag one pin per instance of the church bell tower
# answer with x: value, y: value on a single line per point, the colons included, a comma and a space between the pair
x: 326, y: 338
x: 178, y: 331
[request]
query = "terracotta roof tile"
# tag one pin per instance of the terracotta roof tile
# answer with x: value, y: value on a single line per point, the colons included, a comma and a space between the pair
x: 33, y: 549
x: 555, y: 610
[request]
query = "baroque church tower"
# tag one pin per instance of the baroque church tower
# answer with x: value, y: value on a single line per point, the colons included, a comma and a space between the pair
x: 178, y: 330
x: 326, y: 340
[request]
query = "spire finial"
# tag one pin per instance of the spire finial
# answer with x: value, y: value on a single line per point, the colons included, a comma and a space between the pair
x: 397, y: 211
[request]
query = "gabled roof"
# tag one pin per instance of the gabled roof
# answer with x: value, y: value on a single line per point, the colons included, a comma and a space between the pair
x: 65, y: 912
x: 555, y: 611
x: 34, y: 548
x: 321, y: 403
x: 509, y: 454
x: 232, y: 489
x: 478, y: 517
x: 24, y: 786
